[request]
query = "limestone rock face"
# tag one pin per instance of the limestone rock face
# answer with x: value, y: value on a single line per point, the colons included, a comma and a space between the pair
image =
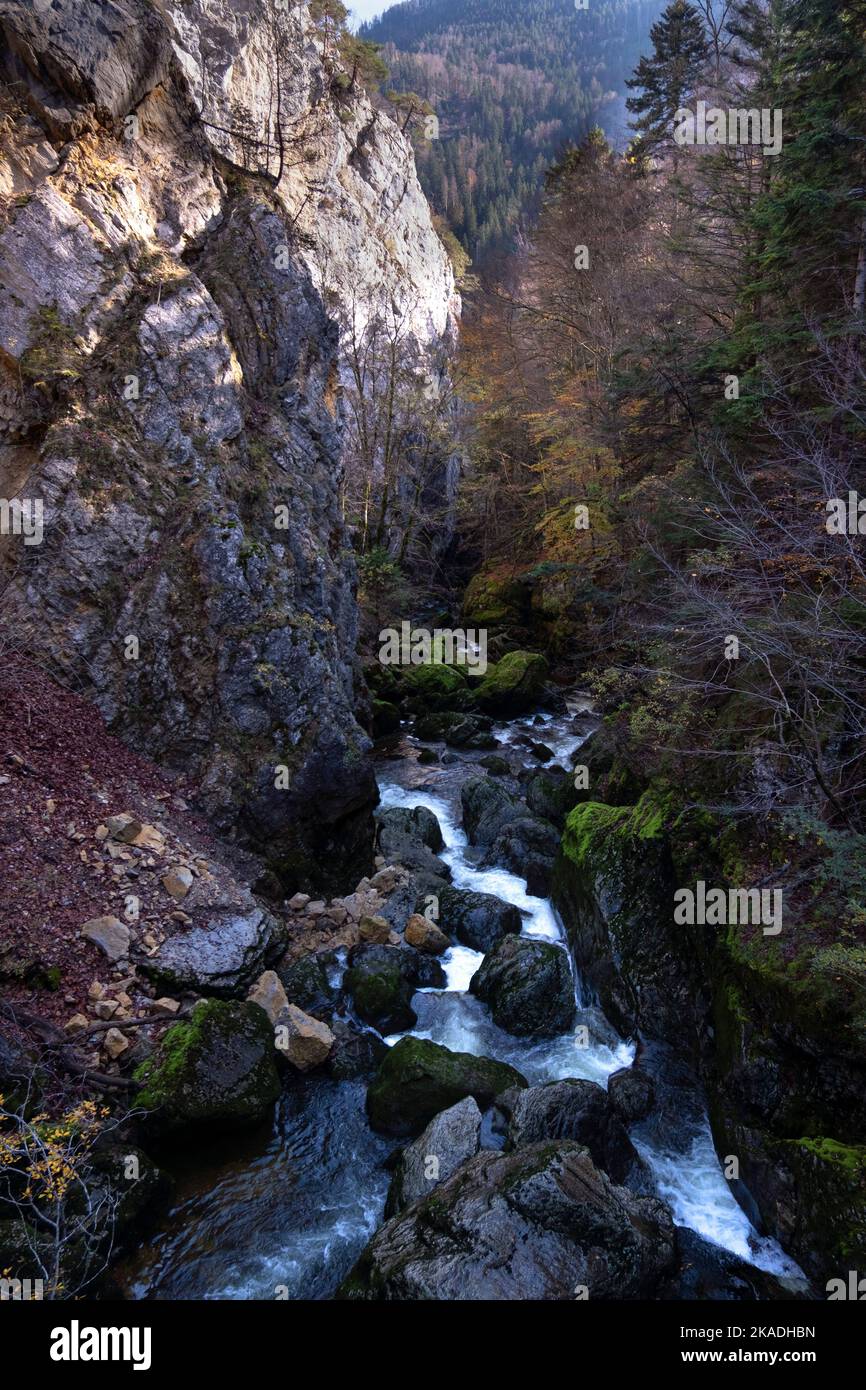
x: 172, y: 330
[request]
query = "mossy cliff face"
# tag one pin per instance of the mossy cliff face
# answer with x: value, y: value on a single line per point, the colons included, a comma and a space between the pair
x: 614, y: 884
x: 776, y: 1035
x: 170, y: 365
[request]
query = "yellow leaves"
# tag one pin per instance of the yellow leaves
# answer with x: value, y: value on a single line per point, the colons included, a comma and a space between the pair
x: 49, y: 1153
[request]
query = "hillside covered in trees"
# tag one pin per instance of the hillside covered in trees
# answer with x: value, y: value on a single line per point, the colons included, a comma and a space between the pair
x: 510, y: 82
x: 670, y: 433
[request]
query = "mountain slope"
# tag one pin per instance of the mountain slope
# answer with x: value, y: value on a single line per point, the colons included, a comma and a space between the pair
x: 511, y: 82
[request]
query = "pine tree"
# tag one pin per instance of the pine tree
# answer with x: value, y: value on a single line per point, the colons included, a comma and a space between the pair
x: 668, y: 79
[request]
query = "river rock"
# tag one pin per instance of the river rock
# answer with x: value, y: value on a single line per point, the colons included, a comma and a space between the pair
x: 418, y: 1078
x: 305, y: 982
x: 381, y: 981
x: 631, y: 1093
x: 509, y: 833
x: 487, y: 809
x: 417, y: 822
x: 425, y: 935
x: 514, y: 684
x: 496, y: 765
x: 356, y: 1052
x: 528, y: 985
x: 571, y: 1109
x: 215, y: 1070
x: 450, y: 1138
x: 705, y: 1271
x: 539, y: 1223
x: 458, y: 730
x: 528, y: 846
x: 304, y: 1041
x: 478, y: 920
x: 551, y: 794
x: 400, y: 846
x: 385, y: 718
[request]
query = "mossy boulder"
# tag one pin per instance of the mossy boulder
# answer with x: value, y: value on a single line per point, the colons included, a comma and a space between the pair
x: 528, y: 986
x: 514, y: 684
x: 457, y: 730
x: 385, y: 718
x: 436, y: 687
x: 215, y: 1070
x: 381, y: 981
x: 613, y: 884
x: 493, y: 600
x: 495, y: 765
x: 418, y: 1079
x: 381, y: 992
x: 306, y: 984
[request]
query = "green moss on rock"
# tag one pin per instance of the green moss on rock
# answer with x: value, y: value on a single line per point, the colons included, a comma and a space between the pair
x: 514, y: 684
x: 418, y: 1079
x: 493, y: 600
x: 216, y: 1070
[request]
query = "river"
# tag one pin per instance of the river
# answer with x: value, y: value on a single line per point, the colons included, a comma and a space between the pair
x: 284, y: 1213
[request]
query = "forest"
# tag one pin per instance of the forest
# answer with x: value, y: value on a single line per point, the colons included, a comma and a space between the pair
x: 509, y: 83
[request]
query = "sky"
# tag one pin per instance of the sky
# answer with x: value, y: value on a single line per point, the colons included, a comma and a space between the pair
x: 366, y: 9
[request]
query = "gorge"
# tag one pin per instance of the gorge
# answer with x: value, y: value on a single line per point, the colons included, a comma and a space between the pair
x: 401, y: 659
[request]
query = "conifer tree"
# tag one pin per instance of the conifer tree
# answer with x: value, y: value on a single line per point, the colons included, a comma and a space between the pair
x: 668, y: 78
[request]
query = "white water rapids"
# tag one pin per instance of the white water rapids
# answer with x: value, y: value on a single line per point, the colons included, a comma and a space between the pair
x: 683, y: 1160
x: 285, y: 1212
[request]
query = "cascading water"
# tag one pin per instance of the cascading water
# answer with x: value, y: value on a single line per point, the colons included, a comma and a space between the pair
x: 287, y: 1215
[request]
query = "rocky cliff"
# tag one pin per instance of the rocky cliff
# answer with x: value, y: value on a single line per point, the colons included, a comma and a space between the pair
x: 197, y: 199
